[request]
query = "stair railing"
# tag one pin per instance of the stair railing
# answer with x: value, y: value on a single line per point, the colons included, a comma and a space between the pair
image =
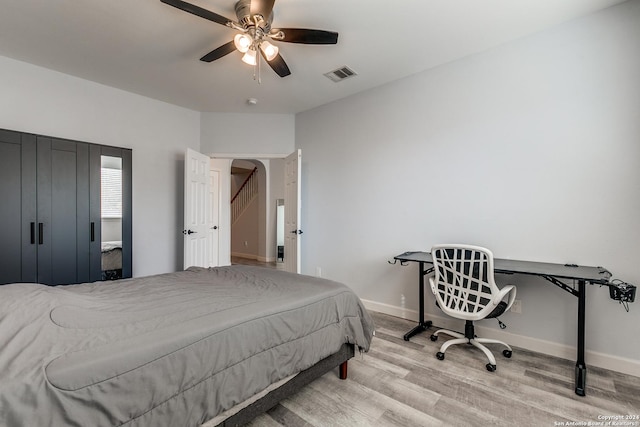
x: 245, y: 194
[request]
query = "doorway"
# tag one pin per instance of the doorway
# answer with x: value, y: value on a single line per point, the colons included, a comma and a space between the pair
x: 271, y: 173
x: 249, y: 200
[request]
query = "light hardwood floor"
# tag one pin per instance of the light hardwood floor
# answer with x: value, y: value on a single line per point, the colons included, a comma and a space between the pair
x: 401, y: 383
x: 246, y: 261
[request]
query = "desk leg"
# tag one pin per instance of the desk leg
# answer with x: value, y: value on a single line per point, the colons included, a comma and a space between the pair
x: 422, y: 324
x: 581, y: 367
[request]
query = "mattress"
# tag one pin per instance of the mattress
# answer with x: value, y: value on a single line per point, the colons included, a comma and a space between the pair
x: 175, y: 349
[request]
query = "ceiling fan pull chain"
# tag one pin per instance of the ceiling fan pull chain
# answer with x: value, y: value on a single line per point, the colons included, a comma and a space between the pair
x: 257, y: 39
x: 257, y: 67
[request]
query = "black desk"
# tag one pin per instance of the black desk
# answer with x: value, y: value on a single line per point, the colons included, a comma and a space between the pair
x: 553, y: 273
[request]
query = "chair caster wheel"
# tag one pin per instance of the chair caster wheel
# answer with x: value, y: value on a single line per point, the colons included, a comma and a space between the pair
x: 440, y: 355
x: 491, y: 367
x: 434, y: 337
x: 507, y: 353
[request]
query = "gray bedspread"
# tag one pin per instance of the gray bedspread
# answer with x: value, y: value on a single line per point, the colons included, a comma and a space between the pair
x: 167, y: 350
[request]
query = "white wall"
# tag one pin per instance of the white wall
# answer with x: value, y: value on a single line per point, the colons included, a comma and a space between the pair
x: 276, y: 191
x: 245, y: 234
x: 247, y: 133
x: 46, y: 102
x: 531, y: 149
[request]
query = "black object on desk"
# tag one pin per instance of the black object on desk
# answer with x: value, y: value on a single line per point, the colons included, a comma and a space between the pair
x: 553, y: 273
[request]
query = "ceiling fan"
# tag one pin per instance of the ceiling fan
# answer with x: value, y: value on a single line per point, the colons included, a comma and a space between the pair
x: 254, y: 26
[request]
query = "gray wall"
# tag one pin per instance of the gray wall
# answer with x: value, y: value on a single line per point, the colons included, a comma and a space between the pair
x: 531, y: 149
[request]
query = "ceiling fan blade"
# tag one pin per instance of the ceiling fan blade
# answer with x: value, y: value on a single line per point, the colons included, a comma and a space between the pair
x: 277, y: 64
x: 198, y: 11
x: 306, y: 36
x: 262, y: 7
x: 218, y: 53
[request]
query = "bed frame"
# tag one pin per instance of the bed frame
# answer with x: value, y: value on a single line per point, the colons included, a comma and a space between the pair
x: 272, y: 398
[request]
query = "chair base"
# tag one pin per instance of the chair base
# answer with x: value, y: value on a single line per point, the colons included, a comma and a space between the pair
x: 470, y: 338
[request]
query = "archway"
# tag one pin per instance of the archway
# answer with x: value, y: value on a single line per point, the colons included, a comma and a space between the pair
x: 253, y: 230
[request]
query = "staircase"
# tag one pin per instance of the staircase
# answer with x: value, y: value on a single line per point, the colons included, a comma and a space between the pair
x: 244, y: 196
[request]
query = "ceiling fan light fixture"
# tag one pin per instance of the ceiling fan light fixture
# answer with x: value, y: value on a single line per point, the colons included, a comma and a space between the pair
x: 253, y: 26
x: 242, y: 42
x: 270, y: 51
x: 250, y: 57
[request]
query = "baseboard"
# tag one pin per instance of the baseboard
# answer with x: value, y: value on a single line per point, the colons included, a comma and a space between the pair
x: 392, y: 310
x: 244, y: 256
x: 592, y: 358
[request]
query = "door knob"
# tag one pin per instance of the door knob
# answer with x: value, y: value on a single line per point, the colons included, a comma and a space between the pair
x: 188, y: 232
x: 296, y: 232
x: 215, y: 227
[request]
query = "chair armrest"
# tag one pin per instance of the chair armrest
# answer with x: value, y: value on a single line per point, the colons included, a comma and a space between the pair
x: 508, y: 289
x: 433, y: 286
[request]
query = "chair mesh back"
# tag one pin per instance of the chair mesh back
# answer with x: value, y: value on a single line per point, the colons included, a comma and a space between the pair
x: 464, y: 278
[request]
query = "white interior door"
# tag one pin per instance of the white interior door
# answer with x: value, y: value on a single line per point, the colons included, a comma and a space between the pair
x: 292, y: 226
x: 196, y: 207
x: 214, y: 217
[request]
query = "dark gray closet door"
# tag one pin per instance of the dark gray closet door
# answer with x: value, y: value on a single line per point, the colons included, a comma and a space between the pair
x: 17, y: 207
x: 83, y: 223
x: 63, y: 211
x: 50, y: 213
x: 127, y: 213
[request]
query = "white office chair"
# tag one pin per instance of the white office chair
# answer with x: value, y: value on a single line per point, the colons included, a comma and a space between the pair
x: 465, y: 288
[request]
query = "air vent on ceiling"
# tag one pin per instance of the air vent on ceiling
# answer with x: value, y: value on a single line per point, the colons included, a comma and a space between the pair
x: 340, y: 74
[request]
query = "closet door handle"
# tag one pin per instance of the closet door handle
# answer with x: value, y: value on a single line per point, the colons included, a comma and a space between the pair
x: 40, y: 233
x: 93, y: 231
x: 33, y: 233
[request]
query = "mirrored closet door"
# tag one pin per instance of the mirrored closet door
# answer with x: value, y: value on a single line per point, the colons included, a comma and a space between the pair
x: 111, y: 213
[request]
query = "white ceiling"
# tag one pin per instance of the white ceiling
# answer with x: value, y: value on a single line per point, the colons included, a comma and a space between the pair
x: 152, y: 49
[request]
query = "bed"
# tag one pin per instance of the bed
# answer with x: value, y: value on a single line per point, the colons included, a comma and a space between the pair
x: 111, y: 260
x: 176, y: 349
